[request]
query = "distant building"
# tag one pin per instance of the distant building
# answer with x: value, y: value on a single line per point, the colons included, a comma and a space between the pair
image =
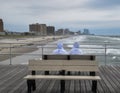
x: 78, y: 32
x: 1, y: 26
x: 86, y: 32
x: 71, y: 33
x: 50, y: 30
x: 39, y: 29
x: 64, y: 32
x: 60, y: 32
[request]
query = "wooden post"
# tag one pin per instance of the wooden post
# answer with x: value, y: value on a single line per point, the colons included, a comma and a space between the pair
x: 33, y: 82
x: 62, y: 82
x: 94, y: 83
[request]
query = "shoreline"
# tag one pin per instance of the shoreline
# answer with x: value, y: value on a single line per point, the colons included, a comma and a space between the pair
x: 19, y: 49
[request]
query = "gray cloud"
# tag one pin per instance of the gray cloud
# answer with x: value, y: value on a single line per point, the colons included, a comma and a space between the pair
x: 61, y: 13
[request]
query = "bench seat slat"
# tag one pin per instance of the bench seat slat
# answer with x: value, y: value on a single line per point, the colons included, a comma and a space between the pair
x: 68, y: 65
x: 81, y: 68
x: 67, y: 68
x: 45, y: 68
x: 62, y: 62
x: 59, y: 77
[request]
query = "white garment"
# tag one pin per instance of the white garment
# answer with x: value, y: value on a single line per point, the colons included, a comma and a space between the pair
x: 60, y: 49
x: 75, y: 49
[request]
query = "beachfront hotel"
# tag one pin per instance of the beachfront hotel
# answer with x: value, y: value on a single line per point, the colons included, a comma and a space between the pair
x: 50, y: 30
x: 40, y: 29
x: 1, y: 26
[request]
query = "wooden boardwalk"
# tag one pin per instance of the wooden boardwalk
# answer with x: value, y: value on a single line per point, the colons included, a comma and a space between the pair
x: 11, y: 81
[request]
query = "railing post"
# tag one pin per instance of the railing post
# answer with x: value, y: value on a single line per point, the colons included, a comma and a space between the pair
x: 10, y: 54
x: 42, y: 50
x: 105, y: 53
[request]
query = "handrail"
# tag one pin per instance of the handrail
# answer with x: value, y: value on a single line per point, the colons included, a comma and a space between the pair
x: 103, y: 46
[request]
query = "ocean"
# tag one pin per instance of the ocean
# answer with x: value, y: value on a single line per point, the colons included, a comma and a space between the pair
x: 106, y: 49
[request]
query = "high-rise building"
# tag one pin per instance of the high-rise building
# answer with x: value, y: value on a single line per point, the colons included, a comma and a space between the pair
x: 64, y: 32
x: 1, y: 26
x: 78, y: 32
x: 50, y: 30
x: 86, y: 32
x: 38, y: 28
x: 60, y: 32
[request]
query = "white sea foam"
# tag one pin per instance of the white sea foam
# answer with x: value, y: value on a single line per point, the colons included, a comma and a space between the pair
x: 71, y: 40
x: 113, y: 51
x: 97, y: 48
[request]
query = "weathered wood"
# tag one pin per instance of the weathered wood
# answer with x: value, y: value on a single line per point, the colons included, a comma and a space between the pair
x: 67, y: 57
x: 62, y: 66
x: 11, y: 81
x: 62, y: 62
x: 68, y: 65
x: 59, y: 77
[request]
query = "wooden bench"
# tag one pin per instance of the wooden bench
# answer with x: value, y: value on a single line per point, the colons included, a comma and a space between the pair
x: 67, y: 57
x: 62, y: 65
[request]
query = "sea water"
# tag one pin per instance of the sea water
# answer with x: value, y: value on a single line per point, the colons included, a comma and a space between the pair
x: 106, y: 49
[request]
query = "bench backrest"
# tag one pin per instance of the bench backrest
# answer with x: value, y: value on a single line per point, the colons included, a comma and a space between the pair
x: 55, y: 57
x: 68, y: 57
x: 68, y: 65
x: 82, y: 57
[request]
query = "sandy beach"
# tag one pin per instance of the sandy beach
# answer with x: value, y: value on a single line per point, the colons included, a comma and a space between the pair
x: 17, y: 45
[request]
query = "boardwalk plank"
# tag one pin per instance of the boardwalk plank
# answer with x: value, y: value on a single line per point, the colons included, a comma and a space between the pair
x: 103, y: 74
x: 102, y: 84
x: 109, y: 79
x: 77, y: 86
x: 11, y: 81
x: 71, y: 86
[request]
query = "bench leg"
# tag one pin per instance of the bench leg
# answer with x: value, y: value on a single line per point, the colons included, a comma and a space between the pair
x: 29, y: 86
x: 46, y: 72
x: 62, y: 82
x: 33, y: 81
x: 33, y: 85
x: 62, y: 86
x: 94, y: 86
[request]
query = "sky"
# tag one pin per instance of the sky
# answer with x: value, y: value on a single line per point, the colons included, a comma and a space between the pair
x: 99, y: 16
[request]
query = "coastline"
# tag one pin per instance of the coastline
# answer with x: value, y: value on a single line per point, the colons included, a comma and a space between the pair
x: 18, y: 45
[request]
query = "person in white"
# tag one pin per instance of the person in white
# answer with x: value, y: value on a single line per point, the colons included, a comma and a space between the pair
x: 60, y: 49
x: 75, y: 49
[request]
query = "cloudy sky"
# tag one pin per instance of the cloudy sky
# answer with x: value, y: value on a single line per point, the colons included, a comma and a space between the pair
x: 99, y: 16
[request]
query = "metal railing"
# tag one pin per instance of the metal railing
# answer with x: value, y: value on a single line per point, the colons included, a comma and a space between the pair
x: 8, y: 51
